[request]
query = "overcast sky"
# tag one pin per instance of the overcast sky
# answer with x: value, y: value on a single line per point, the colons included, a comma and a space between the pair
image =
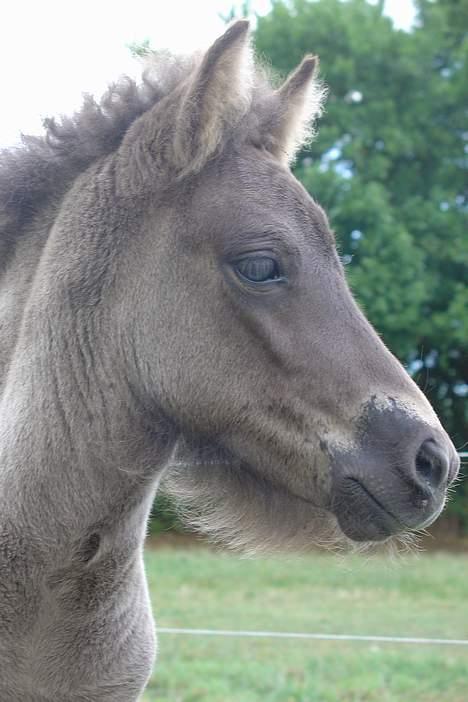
x: 51, y: 51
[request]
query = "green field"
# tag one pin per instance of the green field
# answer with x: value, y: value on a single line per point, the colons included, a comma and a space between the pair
x: 420, y: 595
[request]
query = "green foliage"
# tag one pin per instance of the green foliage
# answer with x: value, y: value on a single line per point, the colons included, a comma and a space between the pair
x: 163, y: 516
x: 140, y: 49
x: 236, y: 12
x: 389, y: 166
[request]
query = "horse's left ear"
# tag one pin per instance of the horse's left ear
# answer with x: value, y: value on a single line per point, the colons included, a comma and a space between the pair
x: 299, y: 102
x: 218, y: 95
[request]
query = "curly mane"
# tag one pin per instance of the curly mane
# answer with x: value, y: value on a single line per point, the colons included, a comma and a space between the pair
x: 41, y: 169
x: 44, y: 166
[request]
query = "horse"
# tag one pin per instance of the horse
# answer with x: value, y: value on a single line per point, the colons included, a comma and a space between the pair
x: 173, y: 310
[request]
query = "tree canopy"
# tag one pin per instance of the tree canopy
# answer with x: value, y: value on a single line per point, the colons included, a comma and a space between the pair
x: 389, y: 166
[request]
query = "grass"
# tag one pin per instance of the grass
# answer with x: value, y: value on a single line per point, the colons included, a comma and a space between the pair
x: 421, y: 595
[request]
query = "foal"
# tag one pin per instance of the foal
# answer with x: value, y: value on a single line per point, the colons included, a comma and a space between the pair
x: 172, y: 305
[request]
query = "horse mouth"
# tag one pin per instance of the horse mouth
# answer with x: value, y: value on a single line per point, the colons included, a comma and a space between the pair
x: 361, y: 515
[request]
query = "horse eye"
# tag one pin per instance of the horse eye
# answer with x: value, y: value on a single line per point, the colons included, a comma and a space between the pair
x: 261, y: 269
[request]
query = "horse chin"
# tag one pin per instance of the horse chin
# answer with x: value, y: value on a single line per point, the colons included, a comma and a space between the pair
x: 227, y: 501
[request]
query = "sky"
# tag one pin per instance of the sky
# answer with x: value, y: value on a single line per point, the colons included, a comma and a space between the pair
x: 52, y: 51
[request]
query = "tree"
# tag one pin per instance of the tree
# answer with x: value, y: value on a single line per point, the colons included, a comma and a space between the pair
x: 389, y: 166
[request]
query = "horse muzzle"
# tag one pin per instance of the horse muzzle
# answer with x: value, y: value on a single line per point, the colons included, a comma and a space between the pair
x: 395, y: 480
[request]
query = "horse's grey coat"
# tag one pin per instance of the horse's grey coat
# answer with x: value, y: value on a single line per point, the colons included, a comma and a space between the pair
x: 129, y: 348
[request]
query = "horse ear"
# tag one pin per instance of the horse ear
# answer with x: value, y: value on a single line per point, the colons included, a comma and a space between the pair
x: 217, y: 96
x: 299, y: 103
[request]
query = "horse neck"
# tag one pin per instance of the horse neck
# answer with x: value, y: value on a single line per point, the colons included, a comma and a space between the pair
x: 75, y: 453
x: 68, y: 462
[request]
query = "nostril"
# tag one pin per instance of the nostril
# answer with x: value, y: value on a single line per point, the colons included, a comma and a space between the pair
x: 425, y: 468
x: 432, y: 464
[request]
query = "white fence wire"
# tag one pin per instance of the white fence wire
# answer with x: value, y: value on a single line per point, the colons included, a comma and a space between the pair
x: 314, y: 637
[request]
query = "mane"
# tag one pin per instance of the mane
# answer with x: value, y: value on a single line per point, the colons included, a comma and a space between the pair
x: 43, y: 167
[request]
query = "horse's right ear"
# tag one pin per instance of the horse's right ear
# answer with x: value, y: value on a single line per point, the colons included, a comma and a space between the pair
x: 217, y: 96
